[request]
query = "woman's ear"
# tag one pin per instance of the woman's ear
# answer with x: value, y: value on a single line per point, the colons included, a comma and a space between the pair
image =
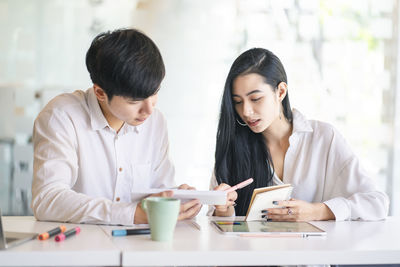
x: 99, y: 92
x: 282, y: 90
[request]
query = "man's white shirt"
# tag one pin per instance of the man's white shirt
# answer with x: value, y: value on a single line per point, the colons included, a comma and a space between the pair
x: 321, y: 167
x: 84, y: 171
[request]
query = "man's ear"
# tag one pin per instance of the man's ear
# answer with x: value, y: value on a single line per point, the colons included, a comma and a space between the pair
x: 282, y: 90
x: 99, y: 92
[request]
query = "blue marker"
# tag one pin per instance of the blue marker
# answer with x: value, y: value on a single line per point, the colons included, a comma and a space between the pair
x: 124, y: 232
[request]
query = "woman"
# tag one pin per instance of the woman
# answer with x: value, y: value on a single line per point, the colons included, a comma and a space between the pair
x: 260, y: 136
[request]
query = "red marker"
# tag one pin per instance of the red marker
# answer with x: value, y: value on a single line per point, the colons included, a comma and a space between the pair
x: 68, y: 233
x: 57, y: 230
x: 240, y: 185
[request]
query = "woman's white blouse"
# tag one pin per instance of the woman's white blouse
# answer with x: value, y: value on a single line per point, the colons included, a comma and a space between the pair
x: 322, y: 168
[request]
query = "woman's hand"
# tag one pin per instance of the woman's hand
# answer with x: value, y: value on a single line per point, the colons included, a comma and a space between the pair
x: 189, y: 209
x: 299, y: 211
x: 228, y: 208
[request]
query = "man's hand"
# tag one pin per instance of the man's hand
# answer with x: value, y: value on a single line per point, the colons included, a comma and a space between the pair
x: 140, y: 214
x: 299, y: 211
x: 228, y: 208
x: 189, y: 209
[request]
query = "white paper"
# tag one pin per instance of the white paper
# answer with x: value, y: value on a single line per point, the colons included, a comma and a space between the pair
x: 205, y: 197
x: 264, y: 200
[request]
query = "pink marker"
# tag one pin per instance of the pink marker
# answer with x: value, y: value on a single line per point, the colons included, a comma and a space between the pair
x: 240, y: 185
x: 68, y: 233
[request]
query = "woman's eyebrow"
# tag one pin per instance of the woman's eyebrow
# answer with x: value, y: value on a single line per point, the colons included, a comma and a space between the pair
x: 252, y: 92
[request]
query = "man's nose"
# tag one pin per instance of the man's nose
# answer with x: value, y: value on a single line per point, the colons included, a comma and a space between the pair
x: 147, y: 106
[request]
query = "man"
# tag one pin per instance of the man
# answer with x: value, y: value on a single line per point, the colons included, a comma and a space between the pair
x: 93, y: 148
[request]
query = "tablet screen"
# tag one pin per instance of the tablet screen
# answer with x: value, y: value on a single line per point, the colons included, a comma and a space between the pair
x: 238, y: 227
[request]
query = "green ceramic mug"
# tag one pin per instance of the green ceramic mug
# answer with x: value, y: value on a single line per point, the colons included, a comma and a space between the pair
x: 162, y: 214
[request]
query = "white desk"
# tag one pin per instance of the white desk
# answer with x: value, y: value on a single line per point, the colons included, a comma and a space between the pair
x: 90, y: 248
x: 346, y: 243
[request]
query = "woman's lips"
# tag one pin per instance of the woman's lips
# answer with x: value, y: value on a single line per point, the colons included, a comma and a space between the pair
x: 253, y: 123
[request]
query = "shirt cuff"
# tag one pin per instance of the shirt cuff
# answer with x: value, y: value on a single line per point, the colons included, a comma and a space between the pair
x: 340, y: 208
x: 123, y: 213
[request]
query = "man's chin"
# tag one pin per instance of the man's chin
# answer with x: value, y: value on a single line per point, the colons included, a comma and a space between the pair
x: 135, y: 123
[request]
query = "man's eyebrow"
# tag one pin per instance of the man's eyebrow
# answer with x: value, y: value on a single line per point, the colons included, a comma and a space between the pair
x: 252, y: 92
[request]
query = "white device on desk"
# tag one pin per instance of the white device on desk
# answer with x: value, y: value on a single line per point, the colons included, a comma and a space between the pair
x: 11, y: 239
x: 265, y: 228
x: 205, y: 197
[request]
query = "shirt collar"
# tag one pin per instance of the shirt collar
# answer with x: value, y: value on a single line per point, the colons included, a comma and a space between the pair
x: 140, y: 127
x: 300, y: 123
x: 126, y: 128
x: 97, y: 119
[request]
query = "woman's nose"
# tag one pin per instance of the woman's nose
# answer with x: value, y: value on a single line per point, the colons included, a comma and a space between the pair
x: 247, y: 110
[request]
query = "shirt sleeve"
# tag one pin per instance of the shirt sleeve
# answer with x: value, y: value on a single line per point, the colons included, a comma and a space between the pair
x: 55, y: 173
x: 351, y: 192
x: 163, y: 171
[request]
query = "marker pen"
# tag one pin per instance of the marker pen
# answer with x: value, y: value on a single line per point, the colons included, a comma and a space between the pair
x: 240, y: 185
x: 124, y: 232
x: 57, y: 230
x: 62, y: 236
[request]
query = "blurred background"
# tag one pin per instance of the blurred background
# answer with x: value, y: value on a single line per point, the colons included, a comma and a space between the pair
x: 341, y: 58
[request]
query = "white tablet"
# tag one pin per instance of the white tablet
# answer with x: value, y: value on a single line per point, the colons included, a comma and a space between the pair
x: 248, y: 228
x: 205, y: 197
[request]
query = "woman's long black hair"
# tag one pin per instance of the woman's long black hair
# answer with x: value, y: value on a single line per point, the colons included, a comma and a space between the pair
x: 240, y: 153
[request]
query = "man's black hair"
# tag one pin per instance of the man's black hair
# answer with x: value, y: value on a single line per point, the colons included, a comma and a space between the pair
x: 125, y: 62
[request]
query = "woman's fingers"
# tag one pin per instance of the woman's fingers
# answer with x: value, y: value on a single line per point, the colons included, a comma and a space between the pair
x: 231, y: 203
x: 232, y: 196
x: 222, y: 187
x: 286, y: 203
x: 281, y: 211
x: 293, y: 210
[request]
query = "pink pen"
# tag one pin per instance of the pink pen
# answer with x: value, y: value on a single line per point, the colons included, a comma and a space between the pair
x: 62, y: 236
x: 240, y: 185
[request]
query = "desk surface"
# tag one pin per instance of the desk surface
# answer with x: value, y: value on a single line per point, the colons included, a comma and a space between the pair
x: 90, y: 248
x: 346, y: 243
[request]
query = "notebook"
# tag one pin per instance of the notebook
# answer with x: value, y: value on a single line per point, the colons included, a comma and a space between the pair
x: 268, y: 229
x: 11, y: 239
x: 262, y: 199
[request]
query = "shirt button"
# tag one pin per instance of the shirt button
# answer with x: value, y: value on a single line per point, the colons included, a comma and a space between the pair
x: 117, y: 199
x: 120, y: 169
